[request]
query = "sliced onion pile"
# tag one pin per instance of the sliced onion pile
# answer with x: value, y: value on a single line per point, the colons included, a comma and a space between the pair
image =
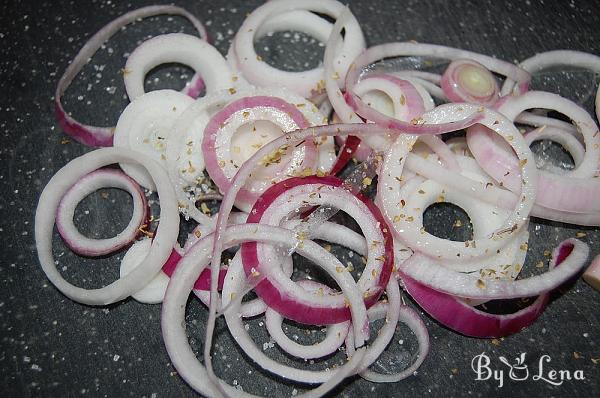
x: 260, y: 137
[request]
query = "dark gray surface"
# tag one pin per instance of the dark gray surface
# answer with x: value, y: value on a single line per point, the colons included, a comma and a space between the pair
x: 50, y: 346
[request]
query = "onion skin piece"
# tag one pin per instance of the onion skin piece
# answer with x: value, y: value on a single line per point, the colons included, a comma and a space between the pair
x: 592, y: 274
x: 469, y: 321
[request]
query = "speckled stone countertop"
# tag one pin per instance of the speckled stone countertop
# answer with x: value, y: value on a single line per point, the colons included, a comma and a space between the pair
x: 53, y: 347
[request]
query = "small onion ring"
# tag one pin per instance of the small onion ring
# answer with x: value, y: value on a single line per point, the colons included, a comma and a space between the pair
x: 466, y: 80
x: 336, y: 333
x: 101, y: 178
x: 393, y: 311
x: 195, y: 260
x: 569, y: 142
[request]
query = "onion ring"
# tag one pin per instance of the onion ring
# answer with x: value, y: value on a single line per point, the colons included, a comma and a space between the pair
x: 103, y: 136
x: 177, y: 47
x: 164, y: 239
x: 102, y: 178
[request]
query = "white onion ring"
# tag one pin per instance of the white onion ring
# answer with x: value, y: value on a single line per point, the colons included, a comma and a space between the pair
x: 485, y: 219
x: 428, y: 272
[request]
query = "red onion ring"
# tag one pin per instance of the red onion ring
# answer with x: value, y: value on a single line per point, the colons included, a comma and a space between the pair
x: 185, y: 161
x: 410, y: 101
x: 195, y: 260
x: 425, y: 271
x: 458, y: 316
x: 306, y: 83
x: 164, y: 238
x: 238, y: 113
x: 466, y: 80
x: 102, y: 178
x: 575, y: 193
x: 103, y: 136
x: 281, y: 295
x: 177, y: 47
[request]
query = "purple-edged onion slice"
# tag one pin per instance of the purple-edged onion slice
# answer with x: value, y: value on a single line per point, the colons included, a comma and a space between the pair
x: 466, y: 80
x: 101, y: 178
